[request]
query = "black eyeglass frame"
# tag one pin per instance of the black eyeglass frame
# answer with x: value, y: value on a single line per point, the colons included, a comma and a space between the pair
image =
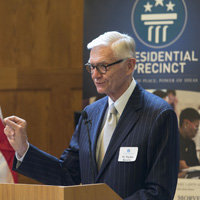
x: 89, y: 66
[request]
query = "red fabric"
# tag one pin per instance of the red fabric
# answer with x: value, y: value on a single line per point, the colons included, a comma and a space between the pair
x: 7, y: 151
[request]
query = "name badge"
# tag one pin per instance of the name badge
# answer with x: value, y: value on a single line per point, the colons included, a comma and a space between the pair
x: 128, y: 154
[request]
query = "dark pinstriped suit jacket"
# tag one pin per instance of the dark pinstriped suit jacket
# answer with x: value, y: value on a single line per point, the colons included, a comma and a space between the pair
x: 147, y: 122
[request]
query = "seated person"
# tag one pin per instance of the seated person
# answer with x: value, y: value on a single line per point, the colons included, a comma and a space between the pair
x: 189, y: 124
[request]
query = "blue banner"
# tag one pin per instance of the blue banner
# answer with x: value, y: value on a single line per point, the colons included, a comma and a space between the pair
x: 166, y: 33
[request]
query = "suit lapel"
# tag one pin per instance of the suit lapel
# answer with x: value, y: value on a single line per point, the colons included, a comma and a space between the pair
x: 96, y: 123
x: 127, y: 120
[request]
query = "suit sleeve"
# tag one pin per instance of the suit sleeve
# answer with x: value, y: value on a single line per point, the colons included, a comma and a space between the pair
x: 50, y: 170
x: 162, y: 159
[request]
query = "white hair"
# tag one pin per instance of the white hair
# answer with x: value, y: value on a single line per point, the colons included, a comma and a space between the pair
x: 122, y: 45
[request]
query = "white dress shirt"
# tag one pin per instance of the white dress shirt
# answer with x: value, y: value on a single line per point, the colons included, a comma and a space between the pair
x: 119, y: 104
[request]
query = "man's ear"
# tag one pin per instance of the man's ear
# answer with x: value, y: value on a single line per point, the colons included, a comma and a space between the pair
x: 131, y: 64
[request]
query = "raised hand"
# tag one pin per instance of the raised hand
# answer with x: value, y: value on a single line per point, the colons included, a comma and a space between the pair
x: 15, y: 131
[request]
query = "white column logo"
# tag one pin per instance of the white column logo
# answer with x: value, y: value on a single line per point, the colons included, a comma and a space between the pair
x: 157, y: 22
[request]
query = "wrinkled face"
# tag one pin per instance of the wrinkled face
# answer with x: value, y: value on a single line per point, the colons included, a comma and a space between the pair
x: 117, y: 78
x: 191, y: 128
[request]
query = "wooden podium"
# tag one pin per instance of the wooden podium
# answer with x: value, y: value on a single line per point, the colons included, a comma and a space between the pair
x: 44, y: 192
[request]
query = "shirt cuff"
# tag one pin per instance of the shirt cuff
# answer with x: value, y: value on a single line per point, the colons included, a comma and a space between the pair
x: 22, y: 158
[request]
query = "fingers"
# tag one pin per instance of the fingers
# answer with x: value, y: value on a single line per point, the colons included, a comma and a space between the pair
x: 10, y: 133
x: 15, y: 119
x: 15, y: 122
x: 14, y: 125
x: 11, y: 124
x: 15, y: 130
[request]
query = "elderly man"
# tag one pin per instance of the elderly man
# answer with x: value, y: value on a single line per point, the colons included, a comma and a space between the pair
x: 133, y: 134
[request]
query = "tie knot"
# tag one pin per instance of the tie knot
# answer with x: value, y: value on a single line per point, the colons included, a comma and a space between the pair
x: 113, y: 110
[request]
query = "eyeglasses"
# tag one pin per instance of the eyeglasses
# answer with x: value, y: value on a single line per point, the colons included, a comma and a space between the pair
x: 101, y: 68
x: 195, y: 128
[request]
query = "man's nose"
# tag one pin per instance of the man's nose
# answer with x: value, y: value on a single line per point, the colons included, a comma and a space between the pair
x: 96, y: 73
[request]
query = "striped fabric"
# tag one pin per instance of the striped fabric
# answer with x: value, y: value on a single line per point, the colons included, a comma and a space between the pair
x: 147, y: 122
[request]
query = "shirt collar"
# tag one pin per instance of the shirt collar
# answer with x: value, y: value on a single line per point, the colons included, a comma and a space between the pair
x: 121, y: 102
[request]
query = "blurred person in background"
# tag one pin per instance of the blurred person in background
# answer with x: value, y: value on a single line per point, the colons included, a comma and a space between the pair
x: 172, y: 100
x: 188, y: 128
x: 161, y: 94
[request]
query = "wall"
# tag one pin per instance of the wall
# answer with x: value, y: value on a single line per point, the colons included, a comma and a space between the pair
x: 41, y: 68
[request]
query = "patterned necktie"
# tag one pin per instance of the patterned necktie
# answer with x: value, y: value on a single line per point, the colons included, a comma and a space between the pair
x: 109, y: 128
